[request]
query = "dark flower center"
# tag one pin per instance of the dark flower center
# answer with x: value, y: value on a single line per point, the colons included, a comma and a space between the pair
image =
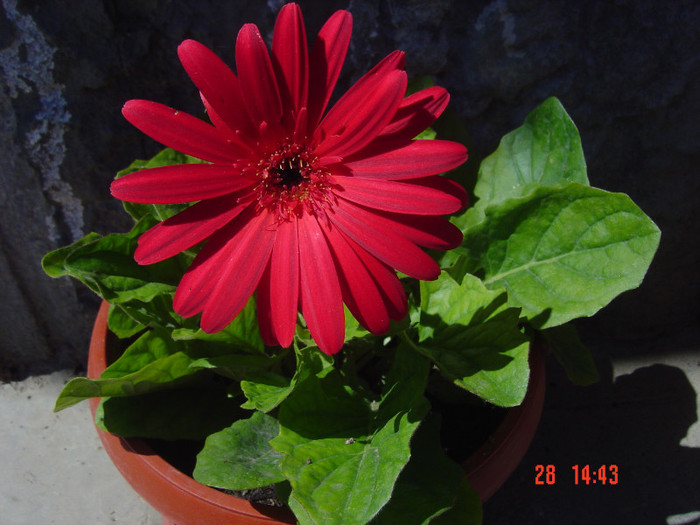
x: 289, y: 174
x: 291, y: 182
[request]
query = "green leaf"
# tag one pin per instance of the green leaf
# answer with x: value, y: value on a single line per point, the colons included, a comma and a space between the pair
x: 265, y: 390
x: 563, y: 253
x: 403, y: 388
x: 160, y: 212
x: 106, y: 265
x: 431, y: 485
x: 242, y: 333
x: 148, y: 348
x: 572, y: 354
x: 122, y: 324
x: 545, y: 151
x: 353, y: 328
x: 342, y: 463
x: 159, y: 375
x: 416, y: 84
x: 235, y: 366
x: 474, y: 338
x: 240, y: 457
x: 427, y: 134
x: 466, y: 510
x: 153, y: 362
x: 188, y: 413
x: 157, y: 312
x: 54, y: 263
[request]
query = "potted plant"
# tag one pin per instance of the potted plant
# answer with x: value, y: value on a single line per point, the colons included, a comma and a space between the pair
x: 290, y: 326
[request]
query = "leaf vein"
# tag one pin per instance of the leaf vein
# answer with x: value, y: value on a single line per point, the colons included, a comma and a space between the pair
x: 555, y: 259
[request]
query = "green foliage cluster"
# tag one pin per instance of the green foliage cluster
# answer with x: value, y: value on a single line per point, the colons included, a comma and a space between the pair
x: 353, y: 439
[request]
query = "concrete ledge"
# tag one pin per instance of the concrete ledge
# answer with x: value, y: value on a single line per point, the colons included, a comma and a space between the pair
x: 54, y: 469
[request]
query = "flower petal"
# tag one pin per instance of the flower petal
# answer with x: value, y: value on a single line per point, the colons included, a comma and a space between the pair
x: 440, y: 183
x: 258, y: 83
x: 325, y: 62
x: 424, y: 230
x: 321, y: 297
x: 179, y: 183
x: 379, y: 236
x: 225, y: 273
x: 360, y: 114
x: 278, y: 291
x: 417, y: 159
x: 300, y: 126
x: 188, y: 228
x: 237, y: 283
x: 360, y: 292
x: 389, y: 285
x: 240, y: 147
x: 290, y: 58
x: 263, y: 306
x: 217, y: 84
x: 416, y: 112
x: 397, y: 197
x: 179, y: 131
x: 393, y: 61
x: 366, y: 84
x: 199, y: 280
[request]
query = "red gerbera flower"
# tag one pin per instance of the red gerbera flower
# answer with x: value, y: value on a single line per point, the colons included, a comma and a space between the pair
x: 310, y: 210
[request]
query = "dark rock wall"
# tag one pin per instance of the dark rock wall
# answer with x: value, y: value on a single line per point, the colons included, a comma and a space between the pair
x: 627, y: 72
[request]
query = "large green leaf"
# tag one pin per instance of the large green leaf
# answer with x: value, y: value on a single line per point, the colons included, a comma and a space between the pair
x: 106, y: 265
x: 474, y: 338
x: 153, y: 362
x: 431, y: 485
x: 183, y: 413
x: 343, y: 453
x: 240, y: 457
x: 545, y: 151
x: 563, y: 253
x: 160, y: 375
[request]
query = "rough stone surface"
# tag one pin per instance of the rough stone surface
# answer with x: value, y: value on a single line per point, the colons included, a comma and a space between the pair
x: 627, y: 72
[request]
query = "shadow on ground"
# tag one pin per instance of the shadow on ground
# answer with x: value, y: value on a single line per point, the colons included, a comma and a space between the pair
x: 635, y: 422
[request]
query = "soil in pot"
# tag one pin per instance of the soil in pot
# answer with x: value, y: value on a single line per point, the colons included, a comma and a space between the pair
x: 467, y: 421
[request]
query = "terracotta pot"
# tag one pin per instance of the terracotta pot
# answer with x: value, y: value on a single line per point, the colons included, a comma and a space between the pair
x: 493, y: 463
x: 178, y: 497
x: 183, y: 501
